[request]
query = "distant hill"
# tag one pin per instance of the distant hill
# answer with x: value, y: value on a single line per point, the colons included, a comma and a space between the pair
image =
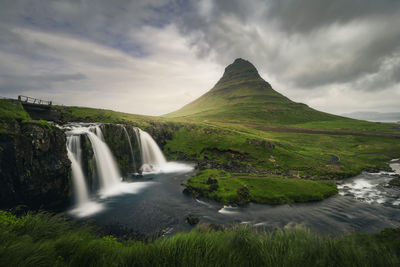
x: 374, y: 116
x: 241, y: 95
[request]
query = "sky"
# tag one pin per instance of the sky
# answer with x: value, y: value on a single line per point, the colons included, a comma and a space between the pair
x: 154, y: 56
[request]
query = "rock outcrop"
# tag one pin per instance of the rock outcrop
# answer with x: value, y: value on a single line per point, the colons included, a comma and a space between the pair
x: 34, y: 167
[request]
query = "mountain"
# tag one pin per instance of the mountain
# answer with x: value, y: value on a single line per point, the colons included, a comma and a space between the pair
x: 242, y: 95
x: 374, y: 116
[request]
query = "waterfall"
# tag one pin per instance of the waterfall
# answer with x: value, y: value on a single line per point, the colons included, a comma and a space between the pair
x: 106, y: 167
x: 152, y: 157
x: 98, y: 132
x: 130, y: 147
x: 105, y: 162
x: 75, y: 156
x: 83, y: 205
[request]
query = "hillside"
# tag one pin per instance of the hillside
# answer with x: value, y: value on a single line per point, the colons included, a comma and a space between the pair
x: 242, y: 95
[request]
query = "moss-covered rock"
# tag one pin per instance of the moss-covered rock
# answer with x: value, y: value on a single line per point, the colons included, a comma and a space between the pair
x: 34, y: 167
x: 122, y: 141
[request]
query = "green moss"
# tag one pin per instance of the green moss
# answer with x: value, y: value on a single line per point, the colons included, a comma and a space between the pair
x: 262, y: 189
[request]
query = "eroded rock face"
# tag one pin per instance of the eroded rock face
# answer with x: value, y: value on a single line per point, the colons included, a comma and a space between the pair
x: 34, y: 166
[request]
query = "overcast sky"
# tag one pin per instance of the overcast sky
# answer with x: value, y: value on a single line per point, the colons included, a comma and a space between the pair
x: 153, y: 56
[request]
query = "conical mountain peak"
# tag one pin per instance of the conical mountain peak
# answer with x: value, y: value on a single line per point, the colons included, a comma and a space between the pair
x: 240, y: 69
x: 243, y: 95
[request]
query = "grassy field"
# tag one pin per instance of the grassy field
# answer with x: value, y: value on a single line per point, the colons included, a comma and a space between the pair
x: 272, y: 189
x: 309, y: 155
x: 45, y: 240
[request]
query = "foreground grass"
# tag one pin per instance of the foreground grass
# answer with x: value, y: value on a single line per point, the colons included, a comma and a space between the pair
x: 45, y: 240
x: 226, y: 188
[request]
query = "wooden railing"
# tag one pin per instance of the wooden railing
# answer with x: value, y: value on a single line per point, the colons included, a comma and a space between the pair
x: 31, y: 100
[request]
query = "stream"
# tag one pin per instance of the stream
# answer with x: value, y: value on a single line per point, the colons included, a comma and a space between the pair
x: 365, y: 203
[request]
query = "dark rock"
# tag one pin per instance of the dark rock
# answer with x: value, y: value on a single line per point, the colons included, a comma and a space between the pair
x: 395, y: 182
x: 192, y: 220
x: 334, y: 160
x: 213, y: 187
x: 34, y: 167
x: 243, y: 195
x: 187, y: 191
x: 212, y: 180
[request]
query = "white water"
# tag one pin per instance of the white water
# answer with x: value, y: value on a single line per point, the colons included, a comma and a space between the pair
x: 74, y: 154
x: 97, y: 130
x: 373, y: 187
x: 153, y: 159
x: 106, y: 167
x: 83, y: 206
x: 228, y: 210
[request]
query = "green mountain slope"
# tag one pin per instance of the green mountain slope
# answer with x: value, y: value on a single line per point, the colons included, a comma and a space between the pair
x: 241, y: 95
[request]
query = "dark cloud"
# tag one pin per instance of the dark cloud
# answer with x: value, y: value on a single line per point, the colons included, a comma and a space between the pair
x: 307, y: 44
x: 313, y: 49
x: 307, y: 15
x: 104, y: 21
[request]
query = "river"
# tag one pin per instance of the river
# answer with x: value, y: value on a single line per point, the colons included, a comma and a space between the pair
x: 365, y: 203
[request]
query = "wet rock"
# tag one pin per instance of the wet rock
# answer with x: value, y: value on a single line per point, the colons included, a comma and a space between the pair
x: 187, y: 191
x: 395, y: 182
x: 192, y: 220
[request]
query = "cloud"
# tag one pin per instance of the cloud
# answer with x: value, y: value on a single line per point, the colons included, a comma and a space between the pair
x: 154, y: 56
x: 100, y: 76
x: 305, y: 45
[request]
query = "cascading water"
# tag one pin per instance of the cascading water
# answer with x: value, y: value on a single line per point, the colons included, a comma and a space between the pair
x: 83, y: 205
x: 79, y: 184
x: 152, y: 157
x: 97, y: 130
x: 105, y: 163
x: 130, y: 147
x: 106, y: 167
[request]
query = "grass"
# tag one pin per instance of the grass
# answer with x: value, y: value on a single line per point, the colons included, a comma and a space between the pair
x: 46, y: 240
x: 309, y: 155
x: 12, y: 109
x: 271, y: 189
x: 73, y: 114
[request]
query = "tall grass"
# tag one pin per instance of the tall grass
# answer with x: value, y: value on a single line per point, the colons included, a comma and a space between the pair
x: 46, y: 240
